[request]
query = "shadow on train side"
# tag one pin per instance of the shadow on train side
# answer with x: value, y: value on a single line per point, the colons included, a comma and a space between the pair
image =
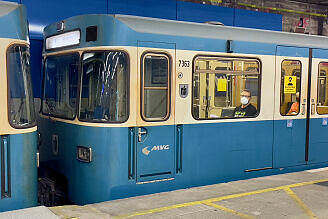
x: 135, y: 105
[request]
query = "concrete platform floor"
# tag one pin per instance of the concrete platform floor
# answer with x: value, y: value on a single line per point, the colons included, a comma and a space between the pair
x: 293, y: 195
x: 29, y: 213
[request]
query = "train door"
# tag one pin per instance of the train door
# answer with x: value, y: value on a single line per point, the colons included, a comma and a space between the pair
x: 155, y: 132
x: 290, y: 117
x: 318, y: 115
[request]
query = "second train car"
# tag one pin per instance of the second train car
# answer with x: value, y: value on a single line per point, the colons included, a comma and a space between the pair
x: 135, y: 105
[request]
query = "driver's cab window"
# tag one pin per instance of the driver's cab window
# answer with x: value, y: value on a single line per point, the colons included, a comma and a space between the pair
x: 60, y: 85
x: 104, y: 90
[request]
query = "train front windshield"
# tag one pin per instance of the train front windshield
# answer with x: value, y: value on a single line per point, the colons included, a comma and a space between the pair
x: 104, y: 87
x: 103, y: 91
x: 20, y: 98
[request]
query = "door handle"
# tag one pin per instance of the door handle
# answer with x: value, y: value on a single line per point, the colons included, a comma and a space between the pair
x: 303, y: 108
x: 37, y: 159
x: 312, y: 107
x: 5, y: 168
x: 141, y: 131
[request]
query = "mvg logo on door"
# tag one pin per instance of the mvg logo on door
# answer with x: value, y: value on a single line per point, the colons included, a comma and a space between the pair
x: 146, y: 151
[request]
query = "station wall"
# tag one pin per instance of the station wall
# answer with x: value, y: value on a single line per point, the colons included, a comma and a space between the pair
x: 43, y: 12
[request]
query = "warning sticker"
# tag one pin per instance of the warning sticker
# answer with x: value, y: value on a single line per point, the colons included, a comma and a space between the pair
x: 222, y: 84
x: 290, y: 85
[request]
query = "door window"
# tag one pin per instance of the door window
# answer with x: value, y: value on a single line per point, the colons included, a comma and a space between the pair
x: 290, y: 87
x: 322, y: 106
x: 155, y: 87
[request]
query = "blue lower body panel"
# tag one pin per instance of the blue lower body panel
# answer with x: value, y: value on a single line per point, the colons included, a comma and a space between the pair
x: 224, y: 151
x: 19, y: 167
x: 318, y: 146
x: 196, y: 154
x: 289, y: 143
x: 87, y: 182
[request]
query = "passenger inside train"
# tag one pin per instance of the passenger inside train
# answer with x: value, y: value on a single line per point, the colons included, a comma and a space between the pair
x: 294, y: 108
x: 218, y: 82
x: 246, y: 109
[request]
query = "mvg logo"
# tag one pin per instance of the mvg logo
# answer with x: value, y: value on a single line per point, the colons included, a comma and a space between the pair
x: 155, y: 148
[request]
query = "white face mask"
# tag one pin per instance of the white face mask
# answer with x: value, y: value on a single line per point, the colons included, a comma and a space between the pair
x: 244, y: 100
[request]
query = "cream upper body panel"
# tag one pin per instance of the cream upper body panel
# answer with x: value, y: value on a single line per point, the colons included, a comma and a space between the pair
x: 180, y: 108
x: 184, y: 76
x: 5, y: 127
x: 317, y: 83
x: 133, y: 100
x: 304, y: 62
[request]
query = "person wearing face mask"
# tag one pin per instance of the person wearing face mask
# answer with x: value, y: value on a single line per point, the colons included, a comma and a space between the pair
x: 246, y: 109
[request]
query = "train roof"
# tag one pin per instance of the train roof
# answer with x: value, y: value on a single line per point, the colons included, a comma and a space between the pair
x: 13, y: 23
x: 129, y: 30
x: 210, y: 31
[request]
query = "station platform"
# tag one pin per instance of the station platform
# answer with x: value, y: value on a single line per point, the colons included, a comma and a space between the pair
x: 293, y: 195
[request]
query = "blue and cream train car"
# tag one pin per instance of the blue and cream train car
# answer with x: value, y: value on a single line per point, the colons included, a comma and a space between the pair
x: 135, y: 105
x: 18, y: 148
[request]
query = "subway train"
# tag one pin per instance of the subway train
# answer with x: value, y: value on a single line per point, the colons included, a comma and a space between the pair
x: 18, y: 148
x: 134, y: 105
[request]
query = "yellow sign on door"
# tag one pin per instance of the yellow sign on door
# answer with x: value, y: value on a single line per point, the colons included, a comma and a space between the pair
x: 222, y: 84
x: 290, y: 85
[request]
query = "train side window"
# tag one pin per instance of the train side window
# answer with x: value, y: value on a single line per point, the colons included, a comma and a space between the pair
x: 20, y: 97
x: 104, y: 91
x: 322, y: 101
x: 290, y: 87
x: 155, y: 89
x: 222, y: 84
x: 60, y: 85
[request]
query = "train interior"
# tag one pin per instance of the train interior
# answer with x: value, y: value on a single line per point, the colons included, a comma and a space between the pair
x: 218, y: 84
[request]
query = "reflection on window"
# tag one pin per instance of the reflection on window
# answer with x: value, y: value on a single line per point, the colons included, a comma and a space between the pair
x: 155, y: 90
x: 218, y: 85
x: 60, y: 85
x: 290, y: 87
x: 104, y: 96
x: 322, y: 106
x: 21, y: 107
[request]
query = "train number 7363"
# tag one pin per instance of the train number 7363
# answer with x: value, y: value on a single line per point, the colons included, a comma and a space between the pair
x: 184, y: 63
